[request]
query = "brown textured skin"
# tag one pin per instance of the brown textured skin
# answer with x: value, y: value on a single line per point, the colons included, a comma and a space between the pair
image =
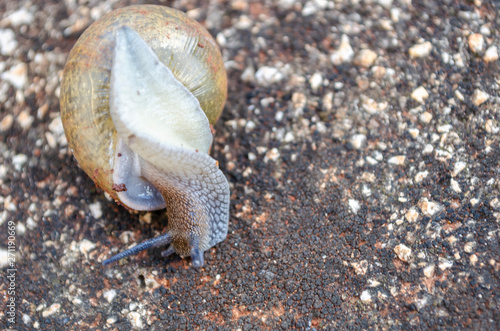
x: 180, y: 43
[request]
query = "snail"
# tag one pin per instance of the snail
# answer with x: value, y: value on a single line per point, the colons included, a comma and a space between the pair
x: 140, y: 92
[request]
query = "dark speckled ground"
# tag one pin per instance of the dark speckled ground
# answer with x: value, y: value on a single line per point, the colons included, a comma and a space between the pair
x: 334, y: 177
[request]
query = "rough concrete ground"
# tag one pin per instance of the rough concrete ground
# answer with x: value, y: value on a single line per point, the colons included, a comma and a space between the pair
x: 361, y: 143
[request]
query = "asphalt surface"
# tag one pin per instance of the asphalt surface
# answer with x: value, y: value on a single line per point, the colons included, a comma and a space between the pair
x: 361, y: 143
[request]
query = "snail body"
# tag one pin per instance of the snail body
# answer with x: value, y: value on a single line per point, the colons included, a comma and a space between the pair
x: 141, y: 90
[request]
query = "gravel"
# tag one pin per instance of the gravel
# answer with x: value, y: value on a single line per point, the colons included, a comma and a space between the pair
x: 361, y: 143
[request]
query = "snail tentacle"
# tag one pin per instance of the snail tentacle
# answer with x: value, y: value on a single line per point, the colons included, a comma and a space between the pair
x: 150, y: 243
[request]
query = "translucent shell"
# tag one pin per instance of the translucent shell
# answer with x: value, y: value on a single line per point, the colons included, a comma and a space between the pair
x: 180, y: 43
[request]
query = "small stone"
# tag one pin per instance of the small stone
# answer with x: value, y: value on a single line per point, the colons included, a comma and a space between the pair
x: 19, y: 160
x: 355, y: 206
x: 420, y: 94
x: 420, y: 50
x: 490, y: 127
x: 495, y: 203
x: 459, y: 166
x: 412, y: 215
x: 473, y: 259
x: 17, y: 76
x: 272, y: 155
x: 85, y: 246
x: 385, y: 3
x: 4, y: 258
x: 344, y: 54
x: 397, y: 160
x: 444, y: 264
x: 365, y: 296
x: 365, y: 58
x: 8, y: 42
x: 403, y: 252
x: 476, y: 42
x: 267, y: 76
x: 248, y: 74
x: 444, y: 128
x: 112, y: 320
x: 469, y: 247
x: 455, y: 186
x: 425, y: 117
x: 491, y: 54
x: 19, y: 17
x: 109, y: 295
x: 358, y: 141
x: 27, y: 319
x: 6, y: 122
x: 316, y: 81
x: 459, y: 95
x: 299, y: 100
x: 414, y: 133
x: 133, y: 306
x: 96, y: 210
x: 419, y: 177
x: 25, y: 119
x: 135, y: 320
x: 429, y: 208
x: 54, y: 308
x: 479, y: 97
x: 429, y: 270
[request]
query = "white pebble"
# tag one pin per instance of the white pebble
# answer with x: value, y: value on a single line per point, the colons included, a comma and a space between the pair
x: 20, y: 17
x: 4, y: 258
x: 414, y: 133
x: 420, y: 94
x: 316, y: 81
x: 19, y: 160
x: 459, y: 166
x: 109, y: 295
x: 444, y: 128
x: 476, y: 42
x: 479, y: 97
x: 95, y: 209
x: 25, y: 119
x: 266, y: 76
x: 6, y: 122
x: 491, y: 54
x: 419, y: 177
x: 135, y: 320
x: 429, y: 208
x: 365, y: 296
x: 425, y: 117
x: 366, y: 58
x: 358, y: 141
x: 85, y: 246
x: 403, y: 252
x: 344, y: 54
x: 397, y: 160
x: 8, y: 42
x: 444, y: 264
x: 429, y: 270
x: 272, y: 155
x: 420, y: 50
x: 455, y: 186
x: 355, y: 206
x: 411, y: 215
x: 495, y: 203
x: 428, y: 149
x: 17, y: 76
x: 54, y: 308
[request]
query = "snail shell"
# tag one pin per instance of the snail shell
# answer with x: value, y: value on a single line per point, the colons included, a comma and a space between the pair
x: 140, y: 92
